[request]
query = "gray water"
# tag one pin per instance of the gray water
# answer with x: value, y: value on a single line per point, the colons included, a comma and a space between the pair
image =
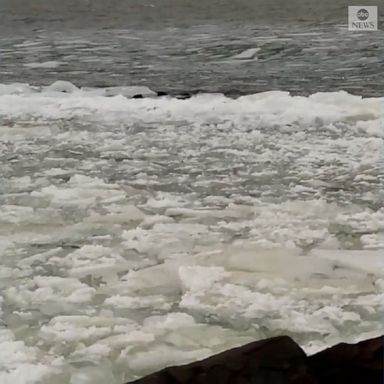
x: 186, y: 46
x: 136, y: 234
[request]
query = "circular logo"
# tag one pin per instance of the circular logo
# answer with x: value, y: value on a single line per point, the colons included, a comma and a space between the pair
x: 362, y: 14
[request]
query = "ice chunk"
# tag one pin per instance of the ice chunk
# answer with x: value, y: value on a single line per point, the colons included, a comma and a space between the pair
x: 248, y: 54
x: 81, y: 191
x: 14, y: 214
x: 171, y: 322
x: 61, y: 86
x: 161, y: 279
x: 133, y: 338
x: 118, y: 214
x: 368, y: 261
x: 161, y: 356
x: 100, y: 374
x: 198, y: 278
x: 52, y: 294
x: 15, y: 89
x: 157, y: 302
x: 94, y: 260
x: 286, y: 263
x: 19, y: 363
x: 26, y: 374
x: 77, y: 329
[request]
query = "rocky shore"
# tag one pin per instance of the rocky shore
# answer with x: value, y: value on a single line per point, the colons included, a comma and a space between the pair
x: 280, y: 360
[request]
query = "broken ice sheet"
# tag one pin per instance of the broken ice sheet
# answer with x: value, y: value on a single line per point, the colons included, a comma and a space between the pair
x: 137, y: 233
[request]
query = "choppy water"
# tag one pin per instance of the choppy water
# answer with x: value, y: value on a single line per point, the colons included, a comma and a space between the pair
x: 187, y: 46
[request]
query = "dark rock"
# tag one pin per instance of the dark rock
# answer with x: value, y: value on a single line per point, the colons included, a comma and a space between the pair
x: 183, y: 96
x: 161, y: 93
x: 274, y: 361
x: 138, y: 96
x: 350, y: 363
x: 280, y: 360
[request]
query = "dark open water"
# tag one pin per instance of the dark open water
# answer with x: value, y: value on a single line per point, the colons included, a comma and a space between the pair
x: 184, y: 45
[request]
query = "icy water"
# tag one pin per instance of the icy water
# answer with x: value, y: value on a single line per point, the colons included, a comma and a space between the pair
x: 140, y: 233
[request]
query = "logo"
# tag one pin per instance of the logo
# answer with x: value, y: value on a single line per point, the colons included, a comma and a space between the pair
x: 361, y: 18
x: 362, y: 14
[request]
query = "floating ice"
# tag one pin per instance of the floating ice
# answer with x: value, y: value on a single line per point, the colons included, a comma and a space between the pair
x: 15, y: 89
x: 136, y: 233
x: 61, y: 86
x: 248, y: 54
x: 369, y: 261
x: 81, y: 190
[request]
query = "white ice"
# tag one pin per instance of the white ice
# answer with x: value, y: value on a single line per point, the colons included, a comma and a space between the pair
x: 248, y: 54
x: 138, y: 233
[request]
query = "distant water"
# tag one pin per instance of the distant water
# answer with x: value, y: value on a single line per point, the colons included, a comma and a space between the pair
x: 188, y: 46
x: 141, y: 233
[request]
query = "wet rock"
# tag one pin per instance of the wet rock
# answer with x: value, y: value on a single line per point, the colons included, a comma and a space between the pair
x: 350, y: 363
x: 276, y: 361
x: 183, y: 96
x: 280, y: 360
x: 129, y: 92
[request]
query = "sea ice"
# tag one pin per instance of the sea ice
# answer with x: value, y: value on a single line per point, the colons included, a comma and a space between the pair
x: 136, y: 233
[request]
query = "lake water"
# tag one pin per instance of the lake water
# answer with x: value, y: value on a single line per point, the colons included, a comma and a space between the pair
x: 141, y: 233
x: 186, y: 46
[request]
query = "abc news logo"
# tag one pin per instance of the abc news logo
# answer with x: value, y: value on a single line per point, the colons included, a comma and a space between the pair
x: 362, y: 18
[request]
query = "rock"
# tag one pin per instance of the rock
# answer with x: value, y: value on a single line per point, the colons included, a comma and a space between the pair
x: 350, y: 363
x: 276, y: 361
x: 280, y: 360
x: 183, y: 96
x: 129, y: 91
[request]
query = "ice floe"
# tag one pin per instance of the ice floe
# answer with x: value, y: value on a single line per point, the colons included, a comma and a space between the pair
x: 248, y: 54
x: 136, y: 233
